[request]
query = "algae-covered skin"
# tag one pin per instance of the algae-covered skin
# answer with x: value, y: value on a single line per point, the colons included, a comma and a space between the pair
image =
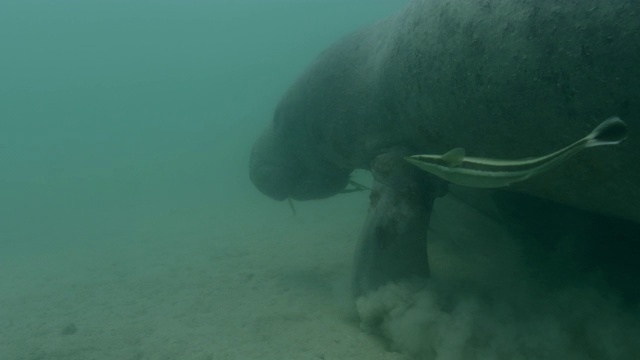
x: 503, y: 79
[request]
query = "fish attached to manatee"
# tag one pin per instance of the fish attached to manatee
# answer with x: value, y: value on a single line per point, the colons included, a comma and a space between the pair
x: 459, y: 169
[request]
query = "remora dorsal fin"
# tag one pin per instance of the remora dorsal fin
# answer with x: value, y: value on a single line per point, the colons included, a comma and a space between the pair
x: 454, y: 157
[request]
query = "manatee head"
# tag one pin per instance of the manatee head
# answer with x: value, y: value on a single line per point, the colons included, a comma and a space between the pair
x: 279, y: 171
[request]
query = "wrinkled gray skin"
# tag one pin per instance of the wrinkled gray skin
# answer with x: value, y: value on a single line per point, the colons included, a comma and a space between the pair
x: 501, y: 78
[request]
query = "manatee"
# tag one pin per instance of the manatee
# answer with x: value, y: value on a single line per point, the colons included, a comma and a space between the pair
x: 503, y: 79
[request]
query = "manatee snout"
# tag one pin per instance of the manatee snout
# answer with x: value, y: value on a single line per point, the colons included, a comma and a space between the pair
x: 280, y: 172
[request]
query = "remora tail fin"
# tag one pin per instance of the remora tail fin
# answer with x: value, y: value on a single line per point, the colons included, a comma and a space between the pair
x: 611, y: 132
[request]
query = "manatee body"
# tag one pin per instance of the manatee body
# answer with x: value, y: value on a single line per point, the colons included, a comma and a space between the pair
x: 501, y: 78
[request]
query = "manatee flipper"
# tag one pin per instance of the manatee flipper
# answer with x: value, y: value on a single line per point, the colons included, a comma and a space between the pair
x: 393, y: 242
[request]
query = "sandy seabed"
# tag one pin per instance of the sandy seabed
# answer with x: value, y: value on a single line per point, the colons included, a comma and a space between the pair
x: 248, y: 279
x: 255, y: 282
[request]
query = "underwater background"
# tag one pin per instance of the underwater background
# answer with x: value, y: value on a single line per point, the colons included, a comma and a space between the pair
x: 128, y: 225
x: 117, y: 111
x: 129, y: 228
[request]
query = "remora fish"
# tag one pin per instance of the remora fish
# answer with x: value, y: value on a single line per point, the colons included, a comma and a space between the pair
x: 459, y: 169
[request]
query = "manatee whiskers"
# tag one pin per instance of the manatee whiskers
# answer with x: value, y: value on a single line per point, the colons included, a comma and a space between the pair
x: 357, y: 187
x: 291, y: 206
x: 459, y: 169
